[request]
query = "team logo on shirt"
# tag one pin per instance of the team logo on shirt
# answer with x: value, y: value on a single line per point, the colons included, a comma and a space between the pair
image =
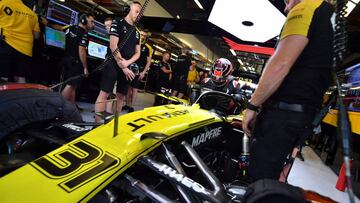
x: 8, y: 11
x: 73, y: 35
x: 124, y: 29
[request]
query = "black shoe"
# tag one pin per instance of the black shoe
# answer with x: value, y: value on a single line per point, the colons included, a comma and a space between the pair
x: 125, y: 108
x: 131, y: 109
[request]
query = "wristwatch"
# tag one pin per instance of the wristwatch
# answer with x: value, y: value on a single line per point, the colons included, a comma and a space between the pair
x: 253, y: 107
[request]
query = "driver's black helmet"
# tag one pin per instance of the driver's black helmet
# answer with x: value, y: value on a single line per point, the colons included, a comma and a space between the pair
x: 220, y: 70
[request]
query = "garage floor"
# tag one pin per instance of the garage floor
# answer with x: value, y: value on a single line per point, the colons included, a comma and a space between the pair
x: 311, y: 174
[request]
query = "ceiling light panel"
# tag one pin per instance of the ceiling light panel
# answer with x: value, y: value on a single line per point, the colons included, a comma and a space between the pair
x: 230, y: 14
x: 350, y: 6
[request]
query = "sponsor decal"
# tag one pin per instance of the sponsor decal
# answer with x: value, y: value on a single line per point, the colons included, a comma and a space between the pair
x: 74, y: 127
x: 73, y: 35
x: 206, y: 136
x: 142, y: 122
x: 78, y: 163
x: 124, y: 29
x: 295, y: 17
x: 8, y: 11
x: 183, y: 180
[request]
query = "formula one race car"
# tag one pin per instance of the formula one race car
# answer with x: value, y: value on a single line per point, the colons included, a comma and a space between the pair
x: 49, y: 155
x: 168, y: 153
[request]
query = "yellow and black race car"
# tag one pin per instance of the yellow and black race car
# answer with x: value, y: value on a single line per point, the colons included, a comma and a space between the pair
x: 170, y: 153
x: 49, y: 155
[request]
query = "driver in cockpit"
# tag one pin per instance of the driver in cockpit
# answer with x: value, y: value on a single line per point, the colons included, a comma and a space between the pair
x: 221, y: 79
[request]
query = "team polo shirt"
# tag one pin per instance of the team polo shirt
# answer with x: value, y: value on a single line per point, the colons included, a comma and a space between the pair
x: 75, y: 36
x: 18, y: 23
x: 145, y: 51
x: 310, y: 76
x: 182, y: 67
x: 121, y: 29
x: 162, y: 75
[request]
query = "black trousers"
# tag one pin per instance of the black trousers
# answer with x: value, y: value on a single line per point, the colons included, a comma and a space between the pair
x: 275, y: 134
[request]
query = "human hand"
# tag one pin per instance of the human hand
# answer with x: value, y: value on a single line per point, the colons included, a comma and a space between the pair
x: 86, y: 72
x: 128, y: 73
x: 141, y: 76
x: 236, y: 123
x: 248, y: 121
x: 123, y: 63
x: 44, y: 21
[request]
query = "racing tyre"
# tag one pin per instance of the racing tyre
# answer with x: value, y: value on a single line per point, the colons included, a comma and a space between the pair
x: 21, y: 107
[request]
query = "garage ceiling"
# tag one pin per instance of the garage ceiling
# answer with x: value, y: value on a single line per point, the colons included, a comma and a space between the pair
x: 194, y: 20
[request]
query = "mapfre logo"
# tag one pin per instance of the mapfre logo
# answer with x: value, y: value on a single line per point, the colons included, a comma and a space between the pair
x: 8, y: 11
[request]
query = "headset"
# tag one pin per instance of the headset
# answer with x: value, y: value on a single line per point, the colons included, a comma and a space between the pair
x: 127, y: 6
x: 83, y: 19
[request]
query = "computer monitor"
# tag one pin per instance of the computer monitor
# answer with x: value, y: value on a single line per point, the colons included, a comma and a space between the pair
x: 97, y: 50
x: 61, y: 14
x: 353, y: 73
x: 54, y: 38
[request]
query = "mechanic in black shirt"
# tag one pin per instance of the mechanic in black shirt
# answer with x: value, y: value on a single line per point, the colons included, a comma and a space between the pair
x: 75, y: 62
x: 291, y: 87
x: 164, y: 78
x: 118, y: 69
x: 180, y: 72
x: 143, y: 63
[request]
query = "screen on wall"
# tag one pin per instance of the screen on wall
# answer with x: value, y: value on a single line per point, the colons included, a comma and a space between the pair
x: 54, y: 38
x: 61, y: 14
x: 99, y: 31
x: 97, y: 50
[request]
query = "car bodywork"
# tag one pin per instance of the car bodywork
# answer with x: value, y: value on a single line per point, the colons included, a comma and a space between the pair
x: 78, y: 170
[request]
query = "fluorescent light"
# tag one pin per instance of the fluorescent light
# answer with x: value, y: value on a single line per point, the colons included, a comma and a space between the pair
x: 177, y: 16
x: 244, y: 68
x: 199, y: 4
x: 233, y: 52
x: 267, y: 19
x: 350, y: 6
x: 160, y: 48
x: 174, y: 55
x: 240, y: 61
x: 173, y: 59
